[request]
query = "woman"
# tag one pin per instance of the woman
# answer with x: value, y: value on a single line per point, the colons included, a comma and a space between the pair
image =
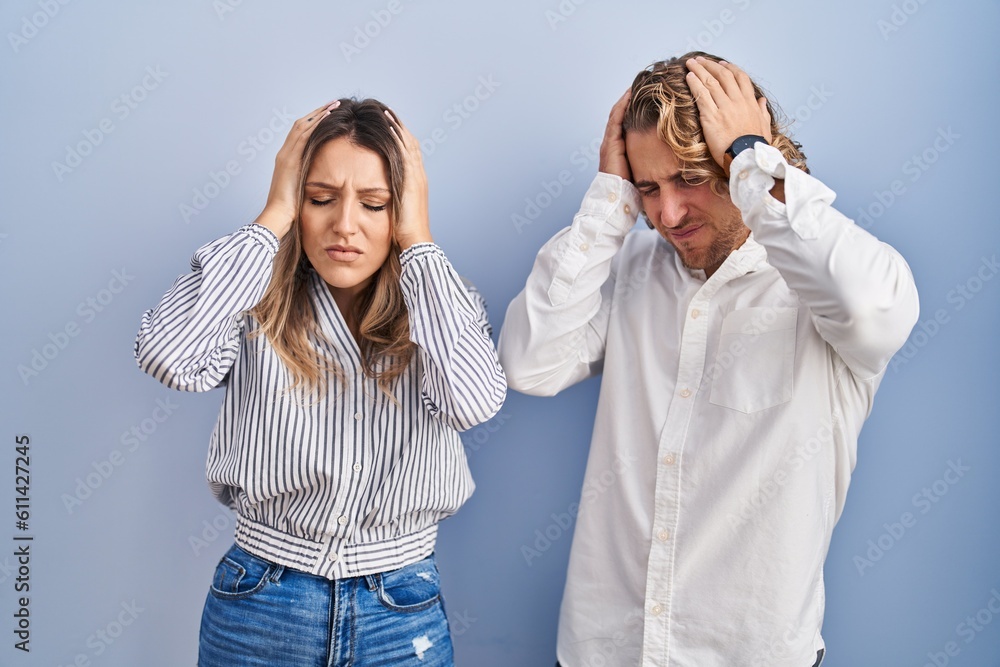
x: 352, y: 355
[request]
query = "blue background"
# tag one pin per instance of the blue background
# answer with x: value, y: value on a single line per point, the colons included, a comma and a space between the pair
x: 871, y: 85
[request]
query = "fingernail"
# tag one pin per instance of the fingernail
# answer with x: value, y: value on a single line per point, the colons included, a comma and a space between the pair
x: 334, y: 105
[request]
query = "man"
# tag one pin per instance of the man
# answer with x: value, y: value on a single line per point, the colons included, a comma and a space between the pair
x: 741, y: 345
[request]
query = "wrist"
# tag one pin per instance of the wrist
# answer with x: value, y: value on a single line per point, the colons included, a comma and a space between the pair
x: 276, y: 220
x: 742, y: 143
x: 405, y: 241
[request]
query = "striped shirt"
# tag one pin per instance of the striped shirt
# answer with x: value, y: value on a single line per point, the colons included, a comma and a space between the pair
x: 356, y: 482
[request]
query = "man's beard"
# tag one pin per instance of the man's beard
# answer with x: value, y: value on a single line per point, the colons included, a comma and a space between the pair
x: 731, y: 235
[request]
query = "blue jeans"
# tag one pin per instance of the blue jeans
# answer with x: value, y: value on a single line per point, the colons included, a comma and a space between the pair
x: 259, y: 614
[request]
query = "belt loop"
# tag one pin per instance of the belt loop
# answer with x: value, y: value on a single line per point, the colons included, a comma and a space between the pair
x: 276, y: 575
x: 371, y: 581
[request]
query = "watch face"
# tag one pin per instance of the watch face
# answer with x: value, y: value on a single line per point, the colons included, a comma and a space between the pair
x: 743, y: 143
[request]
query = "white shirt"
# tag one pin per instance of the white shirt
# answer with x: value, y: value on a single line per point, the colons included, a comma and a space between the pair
x: 728, y: 417
x: 354, y: 483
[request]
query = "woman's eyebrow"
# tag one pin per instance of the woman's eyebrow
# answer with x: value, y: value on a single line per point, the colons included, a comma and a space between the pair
x: 373, y: 191
x: 360, y: 191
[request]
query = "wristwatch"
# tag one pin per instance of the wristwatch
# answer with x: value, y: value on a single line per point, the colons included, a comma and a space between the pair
x: 743, y: 143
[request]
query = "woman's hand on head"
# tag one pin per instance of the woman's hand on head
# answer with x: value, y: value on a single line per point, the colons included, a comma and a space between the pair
x: 412, y: 219
x: 281, y: 208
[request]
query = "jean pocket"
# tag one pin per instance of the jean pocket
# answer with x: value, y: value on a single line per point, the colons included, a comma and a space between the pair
x: 412, y: 588
x: 754, y: 364
x: 240, y: 575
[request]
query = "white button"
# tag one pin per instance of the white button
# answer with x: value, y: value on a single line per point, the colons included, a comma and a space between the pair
x: 695, y: 313
x: 342, y: 521
x: 656, y: 610
x: 628, y: 209
x: 669, y: 459
x: 358, y: 416
x: 357, y: 467
x: 664, y: 535
x: 685, y: 393
x: 744, y: 174
x: 612, y: 197
x: 584, y: 247
x: 332, y: 558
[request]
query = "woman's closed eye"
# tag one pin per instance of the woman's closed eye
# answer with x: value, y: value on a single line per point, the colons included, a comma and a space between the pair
x: 374, y: 208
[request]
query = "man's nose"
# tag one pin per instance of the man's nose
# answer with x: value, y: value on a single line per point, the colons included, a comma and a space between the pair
x: 673, y: 212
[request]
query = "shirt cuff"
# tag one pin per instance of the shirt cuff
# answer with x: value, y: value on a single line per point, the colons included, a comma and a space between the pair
x: 613, y: 200
x: 752, y: 174
x: 262, y: 235
x: 418, y: 250
x: 751, y: 178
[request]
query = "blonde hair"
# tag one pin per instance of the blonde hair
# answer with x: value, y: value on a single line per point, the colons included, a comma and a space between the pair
x: 285, y: 313
x: 662, y: 100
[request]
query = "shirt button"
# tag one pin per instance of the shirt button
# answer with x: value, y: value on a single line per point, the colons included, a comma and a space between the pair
x: 342, y: 521
x: 357, y: 467
x: 332, y: 558
x: 584, y: 247
x: 685, y: 393
x: 358, y: 416
x: 744, y: 175
x: 669, y: 459
x: 628, y: 209
x: 695, y: 313
x: 612, y: 197
x: 664, y: 535
x: 656, y: 610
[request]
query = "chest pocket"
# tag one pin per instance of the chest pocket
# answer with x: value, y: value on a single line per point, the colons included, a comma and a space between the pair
x: 754, y: 362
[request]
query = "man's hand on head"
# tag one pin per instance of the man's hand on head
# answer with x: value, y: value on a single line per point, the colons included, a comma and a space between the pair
x: 612, y: 157
x: 727, y: 106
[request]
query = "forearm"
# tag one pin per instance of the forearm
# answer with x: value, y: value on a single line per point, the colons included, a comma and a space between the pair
x: 190, y: 339
x: 463, y: 383
x: 554, y: 332
x: 859, y: 290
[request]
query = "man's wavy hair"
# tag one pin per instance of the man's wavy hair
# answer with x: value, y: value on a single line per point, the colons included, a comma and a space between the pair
x: 662, y: 100
x: 286, y: 315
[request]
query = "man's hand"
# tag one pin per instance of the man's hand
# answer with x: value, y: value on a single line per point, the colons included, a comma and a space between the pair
x: 726, y: 105
x: 613, y: 159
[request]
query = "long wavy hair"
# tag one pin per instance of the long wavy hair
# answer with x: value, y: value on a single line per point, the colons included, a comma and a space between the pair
x: 662, y: 101
x: 286, y: 315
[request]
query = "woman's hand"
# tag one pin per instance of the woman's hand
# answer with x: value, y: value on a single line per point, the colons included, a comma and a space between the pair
x: 281, y: 208
x: 412, y: 219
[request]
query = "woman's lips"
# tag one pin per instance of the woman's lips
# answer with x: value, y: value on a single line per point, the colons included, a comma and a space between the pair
x: 343, y: 253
